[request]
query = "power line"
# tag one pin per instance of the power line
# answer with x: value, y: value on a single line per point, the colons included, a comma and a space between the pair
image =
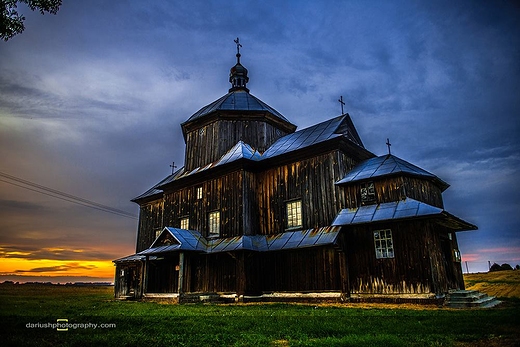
x: 63, y: 196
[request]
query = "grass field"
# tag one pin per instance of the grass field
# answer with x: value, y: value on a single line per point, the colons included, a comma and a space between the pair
x: 23, y: 307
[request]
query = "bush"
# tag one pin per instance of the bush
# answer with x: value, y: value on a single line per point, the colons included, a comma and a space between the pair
x: 496, y: 267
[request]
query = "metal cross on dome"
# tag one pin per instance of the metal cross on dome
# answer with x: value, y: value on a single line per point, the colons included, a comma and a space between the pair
x: 237, y: 41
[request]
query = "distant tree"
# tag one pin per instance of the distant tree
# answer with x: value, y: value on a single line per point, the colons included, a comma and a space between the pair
x: 517, y: 267
x: 11, y: 23
x: 505, y: 267
x: 495, y: 267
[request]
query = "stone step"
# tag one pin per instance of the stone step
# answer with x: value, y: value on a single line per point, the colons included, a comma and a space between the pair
x: 470, y: 298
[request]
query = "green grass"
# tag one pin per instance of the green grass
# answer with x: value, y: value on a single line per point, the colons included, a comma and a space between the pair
x: 155, y: 324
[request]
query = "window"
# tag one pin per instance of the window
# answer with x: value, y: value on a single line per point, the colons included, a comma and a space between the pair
x: 157, y: 233
x: 199, y: 193
x: 185, y: 223
x: 368, y: 193
x: 294, y: 214
x: 384, y: 244
x: 214, y: 224
x: 456, y: 256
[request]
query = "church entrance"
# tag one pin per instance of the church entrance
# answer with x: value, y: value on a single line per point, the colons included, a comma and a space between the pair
x: 163, y: 274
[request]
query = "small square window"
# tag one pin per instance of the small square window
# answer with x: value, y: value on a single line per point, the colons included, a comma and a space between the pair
x: 185, y: 223
x: 294, y: 214
x: 456, y: 256
x: 384, y: 244
x: 199, y: 193
x: 214, y: 224
x: 368, y: 193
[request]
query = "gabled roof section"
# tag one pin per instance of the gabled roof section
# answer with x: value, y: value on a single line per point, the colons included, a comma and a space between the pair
x: 185, y: 240
x: 239, y: 151
x: 238, y: 100
x: 332, y: 128
x: 387, y: 165
x: 397, y: 210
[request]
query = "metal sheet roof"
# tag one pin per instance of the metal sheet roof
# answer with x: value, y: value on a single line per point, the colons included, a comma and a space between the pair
x: 191, y: 240
x: 130, y: 258
x: 239, y: 151
x: 387, y: 165
x: 408, y: 208
x: 237, y: 100
x: 305, y: 137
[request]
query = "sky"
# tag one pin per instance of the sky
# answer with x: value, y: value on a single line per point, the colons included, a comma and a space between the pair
x: 91, y: 102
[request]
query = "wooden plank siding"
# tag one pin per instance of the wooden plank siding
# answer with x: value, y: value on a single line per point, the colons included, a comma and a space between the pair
x: 219, y: 194
x: 419, y: 265
x: 311, y: 180
x: 209, y: 142
x: 304, y: 270
x: 150, y: 220
x: 312, y: 269
x: 396, y: 188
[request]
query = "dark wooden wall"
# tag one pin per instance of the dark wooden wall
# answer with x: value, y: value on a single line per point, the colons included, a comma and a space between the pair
x: 222, y: 194
x: 311, y: 180
x: 396, y: 188
x: 221, y: 135
x: 304, y: 270
x: 311, y: 269
x: 211, y: 273
x: 150, y: 220
x: 419, y: 265
x: 253, y: 202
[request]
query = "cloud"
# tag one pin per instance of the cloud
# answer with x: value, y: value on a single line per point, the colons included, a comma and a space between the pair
x: 34, y: 252
x: 91, y: 101
x: 58, y: 268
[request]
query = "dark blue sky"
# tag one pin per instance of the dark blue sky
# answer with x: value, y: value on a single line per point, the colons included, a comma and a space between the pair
x: 91, y: 101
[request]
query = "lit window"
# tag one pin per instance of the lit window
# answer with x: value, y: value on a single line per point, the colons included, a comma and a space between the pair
x: 214, y: 224
x: 294, y: 214
x: 368, y: 193
x: 199, y: 193
x: 383, y: 243
x: 185, y: 223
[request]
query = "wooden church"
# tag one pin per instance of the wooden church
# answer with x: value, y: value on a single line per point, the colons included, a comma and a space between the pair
x: 261, y: 210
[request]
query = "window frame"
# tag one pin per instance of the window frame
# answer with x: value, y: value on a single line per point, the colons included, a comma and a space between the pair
x: 381, y: 244
x: 294, y: 222
x: 199, y: 193
x: 185, y: 219
x: 370, y: 196
x: 212, y: 224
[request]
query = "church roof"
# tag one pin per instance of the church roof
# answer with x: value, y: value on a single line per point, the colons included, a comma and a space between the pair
x: 321, y: 132
x: 387, y: 165
x: 191, y: 240
x: 397, y: 210
x: 335, y: 127
x: 236, y: 100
